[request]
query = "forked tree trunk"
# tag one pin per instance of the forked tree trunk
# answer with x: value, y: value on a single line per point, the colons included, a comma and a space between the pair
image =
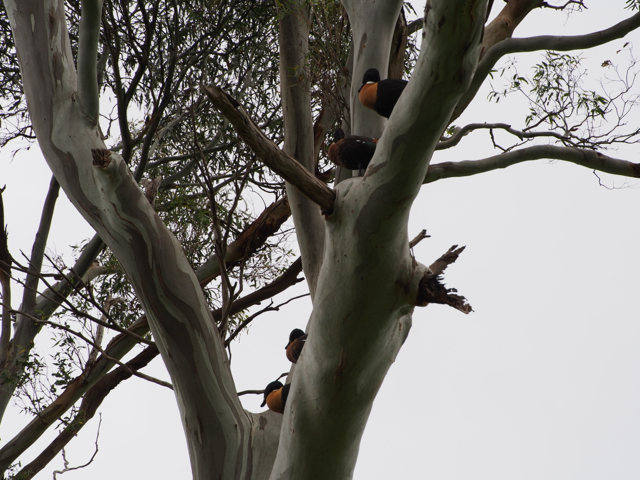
x: 368, y: 281
x: 364, y: 280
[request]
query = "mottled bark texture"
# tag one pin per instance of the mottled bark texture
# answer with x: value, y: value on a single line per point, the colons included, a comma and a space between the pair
x: 99, y: 184
x: 369, y: 282
x: 357, y: 261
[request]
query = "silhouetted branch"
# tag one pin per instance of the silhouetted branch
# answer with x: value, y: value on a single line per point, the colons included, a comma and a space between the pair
x: 285, y: 166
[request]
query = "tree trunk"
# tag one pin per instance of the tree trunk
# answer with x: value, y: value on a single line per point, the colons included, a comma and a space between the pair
x: 220, y: 434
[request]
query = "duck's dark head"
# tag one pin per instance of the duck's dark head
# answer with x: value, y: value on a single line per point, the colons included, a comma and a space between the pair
x: 370, y: 76
x: 295, y: 333
x: 272, y: 387
x: 337, y: 136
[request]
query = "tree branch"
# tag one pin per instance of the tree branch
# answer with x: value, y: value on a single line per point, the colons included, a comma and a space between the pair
x: 251, y: 239
x: 282, y: 164
x: 90, y: 403
x: 39, y: 245
x: 46, y: 304
x: 5, y: 282
x: 457, y: 136
x: 87, y: 58
x: 251, y: 318
x: 279, y: 285
x: 501, y: 28
x: 505, y: 23
x: 585, y: 158
x: 547, y: 42
x: 116, y: 349
x: 432, y: 290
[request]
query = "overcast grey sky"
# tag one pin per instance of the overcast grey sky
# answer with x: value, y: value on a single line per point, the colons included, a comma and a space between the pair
x: 541, y: 381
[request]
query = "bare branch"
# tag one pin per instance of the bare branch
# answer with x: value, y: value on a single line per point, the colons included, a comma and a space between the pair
x: 421, y: 236
x: 285, y: 166
x: 260, y: 392
x: 37, y: 252
x: 414, y: 26
x: 440, y: 265
x: 279, y: 285
x: 5, y: 282
x: 87, y: 64
x: 67, y: 468
x: 457, y: 136
x: 251, y: 239
x: 251, y: 318
x: 90, y: 403
x: 563, y: 43
x: 586, y: 158
x: 506, y: 22
x: 432, y: 290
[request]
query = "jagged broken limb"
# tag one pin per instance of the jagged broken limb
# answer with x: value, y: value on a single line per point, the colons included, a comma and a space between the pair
x: 432, y: 290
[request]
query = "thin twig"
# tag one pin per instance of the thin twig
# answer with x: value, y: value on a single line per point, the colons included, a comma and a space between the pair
x: 260, y: 392
x: 98, y: 348
x: 268, y: 308
x: 66, y: 462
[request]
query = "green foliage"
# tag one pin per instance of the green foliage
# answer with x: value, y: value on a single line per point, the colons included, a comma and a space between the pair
x: 560, y: 101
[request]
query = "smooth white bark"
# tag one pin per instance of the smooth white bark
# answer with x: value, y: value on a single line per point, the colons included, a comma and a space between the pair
x: 101, y: 187
x: 368, y: 282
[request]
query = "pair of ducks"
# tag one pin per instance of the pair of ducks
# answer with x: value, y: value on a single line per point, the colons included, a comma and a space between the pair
x: 275, y: 395
x: 355, y: 152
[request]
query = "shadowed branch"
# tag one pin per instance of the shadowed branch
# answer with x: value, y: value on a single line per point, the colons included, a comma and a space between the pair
x: 285, y: 166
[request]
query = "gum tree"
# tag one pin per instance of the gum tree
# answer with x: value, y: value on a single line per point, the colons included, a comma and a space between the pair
x: 353, y: 238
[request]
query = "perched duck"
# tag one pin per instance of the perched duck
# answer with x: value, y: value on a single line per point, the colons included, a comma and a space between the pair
x: 275, y: 396
x: 353, y: 152
x: 380, y: 95
x: 297, y: 339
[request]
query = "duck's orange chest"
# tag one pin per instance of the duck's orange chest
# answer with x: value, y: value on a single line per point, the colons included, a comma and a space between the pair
x: 274, y: 401
x: 369, y: 94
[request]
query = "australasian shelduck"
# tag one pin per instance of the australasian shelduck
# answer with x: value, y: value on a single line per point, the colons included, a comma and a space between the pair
x: 297, y: 339
x: 353, y: 152
x: 380, y: 95
x: 275, y: 396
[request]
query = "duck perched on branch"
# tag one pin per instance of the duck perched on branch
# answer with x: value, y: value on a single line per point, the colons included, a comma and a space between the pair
x: 380, y: 95
x: 275, y: 396
x: 353, y: 152
x: 297, y: 339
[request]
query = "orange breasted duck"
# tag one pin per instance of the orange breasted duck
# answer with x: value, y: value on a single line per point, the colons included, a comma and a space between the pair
x: 353, y: 152
x: 275, y: 396
x: 297, y: 339
x: 380, y: 95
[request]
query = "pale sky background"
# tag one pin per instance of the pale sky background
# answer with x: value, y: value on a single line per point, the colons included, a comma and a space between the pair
x: 542, y: 381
